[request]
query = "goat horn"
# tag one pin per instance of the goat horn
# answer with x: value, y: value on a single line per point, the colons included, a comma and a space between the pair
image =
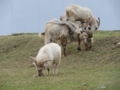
x: 33, y: 59
x: 45, y: 61
x: 98, y: 21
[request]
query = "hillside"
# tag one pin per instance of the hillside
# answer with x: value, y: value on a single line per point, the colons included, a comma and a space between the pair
x: 96, y: 69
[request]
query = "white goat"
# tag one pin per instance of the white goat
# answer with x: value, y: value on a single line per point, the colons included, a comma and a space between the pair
x: 75, y: 12
x: 47, y: 55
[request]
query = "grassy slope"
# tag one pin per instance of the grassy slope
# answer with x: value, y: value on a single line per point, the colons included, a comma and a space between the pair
x: 84, y: 70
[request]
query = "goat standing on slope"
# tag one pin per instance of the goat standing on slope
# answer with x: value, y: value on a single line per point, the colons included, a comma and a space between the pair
x: 47, y: 55
x: 65, y: 32
x: 75, y: 12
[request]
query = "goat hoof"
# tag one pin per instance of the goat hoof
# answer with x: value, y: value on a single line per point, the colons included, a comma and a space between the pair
x: 78, y: 48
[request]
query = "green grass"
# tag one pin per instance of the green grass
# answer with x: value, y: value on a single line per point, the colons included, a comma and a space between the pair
x: 80, y: 70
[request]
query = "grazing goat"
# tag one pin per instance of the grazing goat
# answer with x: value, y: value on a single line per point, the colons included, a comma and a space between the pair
x: 86, y: 39
x: 65, y: 31
x: 60, y: 30
x: 75, y: 12
x: 47, y: 55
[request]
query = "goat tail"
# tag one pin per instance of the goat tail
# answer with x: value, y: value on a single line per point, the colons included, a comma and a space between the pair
x: 47, y: 38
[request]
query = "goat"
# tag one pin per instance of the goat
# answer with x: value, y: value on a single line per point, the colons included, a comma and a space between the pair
x: 75, y: 12
x: 60, y: 30
x: 47, y: 55
x: 65, y: 31
x: 86, y: 40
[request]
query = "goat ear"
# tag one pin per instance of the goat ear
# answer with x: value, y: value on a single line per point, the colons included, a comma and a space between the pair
x: 33, y: 60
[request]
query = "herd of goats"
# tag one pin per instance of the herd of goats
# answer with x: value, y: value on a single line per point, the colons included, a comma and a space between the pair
x: 76, y: 24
